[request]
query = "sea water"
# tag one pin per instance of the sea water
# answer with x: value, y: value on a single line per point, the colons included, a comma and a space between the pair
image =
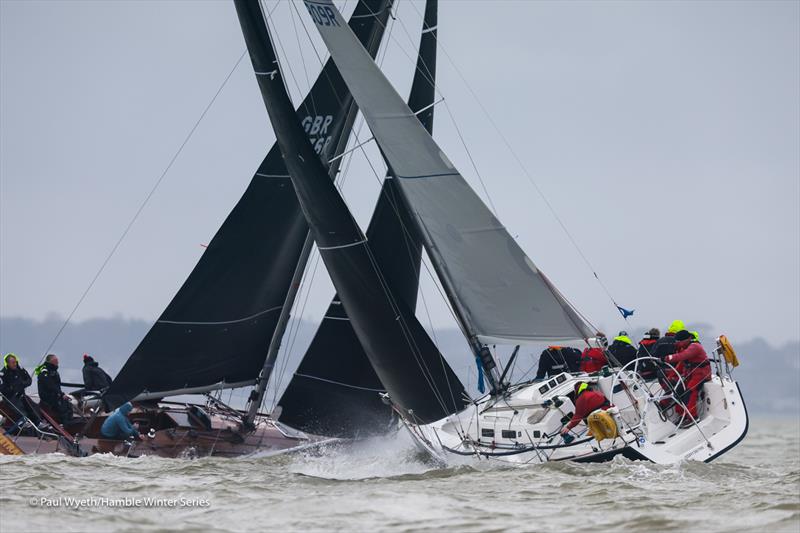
x: 383, y: 484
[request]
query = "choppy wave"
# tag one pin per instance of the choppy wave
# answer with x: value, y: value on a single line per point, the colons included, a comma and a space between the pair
x: 383, y: 484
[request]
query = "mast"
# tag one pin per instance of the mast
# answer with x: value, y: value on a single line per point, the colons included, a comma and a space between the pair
x: 407, y: 362
x: 257, y: 394
x: 376, y: 22
x: 336, y: 396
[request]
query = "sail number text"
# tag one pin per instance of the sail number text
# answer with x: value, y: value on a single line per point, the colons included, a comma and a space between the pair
x: 322, y: 15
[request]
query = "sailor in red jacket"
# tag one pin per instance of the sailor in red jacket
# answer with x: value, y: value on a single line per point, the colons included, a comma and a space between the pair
x: 694, y: 367
x: 593, y: 359
x: 587, y: 401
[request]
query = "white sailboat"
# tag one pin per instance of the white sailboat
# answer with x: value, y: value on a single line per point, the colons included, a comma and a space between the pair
x: 500, y: 297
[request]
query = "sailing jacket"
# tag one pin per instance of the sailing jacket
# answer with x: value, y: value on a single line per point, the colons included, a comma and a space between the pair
x: 693, y: 364
x: 117, y: 426
x: 592, y: 360
x: 664, y: 346
x: 646, y: 368
x: 49, y: 384
x: 94, y: 377
x: 13, y: 382
x: 557, y: 359
x: 622, y: 350
x: 588, y: 402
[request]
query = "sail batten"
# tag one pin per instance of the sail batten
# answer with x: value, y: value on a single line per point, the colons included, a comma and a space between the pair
x: 496, y: 289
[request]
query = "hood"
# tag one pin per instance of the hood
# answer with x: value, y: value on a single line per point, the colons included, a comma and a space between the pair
x: 125, y: 408
x: 623, y: 338
x: 5, y: 359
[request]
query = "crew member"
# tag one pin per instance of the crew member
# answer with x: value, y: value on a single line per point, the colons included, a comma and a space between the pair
x: 94, y: 377
x: 587, y: 401
x: 666, y: 344
x: 594, y: 358
x: 646, y: 367
x: 557, y: 359
x: 49, y: 385
x: 13, y: 381
x: 117, y: 426
x: 622, y: 349
x: 695, y: 369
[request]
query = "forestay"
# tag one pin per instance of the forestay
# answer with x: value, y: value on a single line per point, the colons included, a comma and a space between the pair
x: 499, y: 293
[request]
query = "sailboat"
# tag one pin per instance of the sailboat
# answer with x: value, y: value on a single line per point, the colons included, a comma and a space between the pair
x: 497, y: 293
x: 224, y: 327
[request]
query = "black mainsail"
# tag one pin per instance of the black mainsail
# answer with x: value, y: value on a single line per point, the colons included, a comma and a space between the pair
x: 216, y: 331
x: 334, y: 390
x: 497, y: 292
x: 403, y: 356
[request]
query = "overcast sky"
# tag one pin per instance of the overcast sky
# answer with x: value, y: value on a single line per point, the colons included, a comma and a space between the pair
x: 665, y: 134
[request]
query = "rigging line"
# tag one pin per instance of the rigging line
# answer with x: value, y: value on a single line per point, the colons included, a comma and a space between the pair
x: 343, y: 175
x: 303, y: 60
x: 524, y: 169
x: 375, y: 265
x: 426, y: 73
x: 414, y: 348
x: 295, y: 327
x: 270, y: 22
x: 144, y: 203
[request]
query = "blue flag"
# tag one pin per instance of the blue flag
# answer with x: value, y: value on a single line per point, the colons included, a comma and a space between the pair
x: 481, y: 385
x: 625, y: 312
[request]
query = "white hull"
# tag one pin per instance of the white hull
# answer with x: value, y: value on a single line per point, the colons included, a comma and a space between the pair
x: 518, y: 429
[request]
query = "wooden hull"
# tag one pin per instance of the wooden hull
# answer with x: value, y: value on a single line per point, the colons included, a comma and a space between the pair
x: 173, y: 431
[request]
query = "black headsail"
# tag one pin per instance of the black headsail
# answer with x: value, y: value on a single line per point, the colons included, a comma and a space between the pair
x: 216, y: 331
x: 405, y: 359
x: 333, y: 391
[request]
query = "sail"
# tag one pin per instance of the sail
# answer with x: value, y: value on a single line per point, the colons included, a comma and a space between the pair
x: 216, y: 330
x: 333, y: 391
x: 405, y: 359
x: 501, y: 296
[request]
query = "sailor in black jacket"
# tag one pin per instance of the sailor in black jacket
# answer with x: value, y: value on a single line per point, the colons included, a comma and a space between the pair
x: 94, y: 377
x: 557, y: 359
x: 49, y: 385
x: 13, y: 381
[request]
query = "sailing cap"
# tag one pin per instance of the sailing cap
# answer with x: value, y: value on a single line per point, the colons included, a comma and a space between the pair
x: 683, y: 335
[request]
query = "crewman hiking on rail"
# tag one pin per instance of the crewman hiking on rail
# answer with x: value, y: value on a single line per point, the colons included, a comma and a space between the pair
x: 692, y: 363
x: 50, y: 394
x: 118, y: 427
x: 13, y: 381
x: 587, y: 400
x: 557, y: 359
x: 94, y: 377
